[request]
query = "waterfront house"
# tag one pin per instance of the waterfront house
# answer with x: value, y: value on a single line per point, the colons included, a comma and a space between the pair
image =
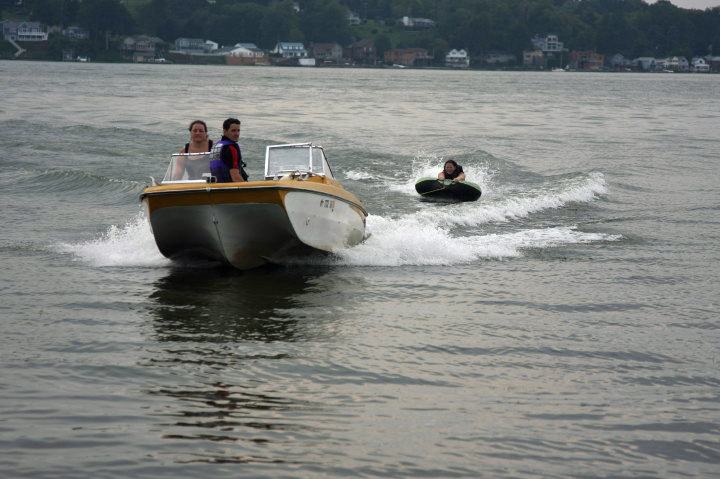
x: 362, y: 51
x: 619, y: 62
x: 677, y: 64
x: 587, y: 61
x: 142, y: 48
x: 290, y: 50
x: 409, y: 57
x: 327, y: 52
x: 457, y: 59
x: 246, y: 54
x: 646, y: 64
x: 714, y: 62
x: 548, y: 44
x: 699, y: 65
x: 23, y: 31
x: 534, y: 59
x: 190, y: 45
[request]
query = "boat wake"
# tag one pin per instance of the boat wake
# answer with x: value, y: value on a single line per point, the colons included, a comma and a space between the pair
x: 513, y: 216
x: 517, y: 212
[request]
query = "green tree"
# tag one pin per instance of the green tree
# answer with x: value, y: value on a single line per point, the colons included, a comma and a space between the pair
x: 325, y: 21
x: 54, y: 12
x: 102, y: 17
x: 382, y: 44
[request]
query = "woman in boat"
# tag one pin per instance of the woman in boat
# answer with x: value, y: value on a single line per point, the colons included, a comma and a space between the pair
x: 452, y: 171
x: 199, y: 143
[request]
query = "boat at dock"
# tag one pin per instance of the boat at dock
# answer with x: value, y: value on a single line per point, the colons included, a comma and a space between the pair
x: 297, y: 209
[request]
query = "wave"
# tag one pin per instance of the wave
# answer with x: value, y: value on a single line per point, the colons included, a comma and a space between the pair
x: 131, y: 244
x: 59, y: 181
x: 413, y: 242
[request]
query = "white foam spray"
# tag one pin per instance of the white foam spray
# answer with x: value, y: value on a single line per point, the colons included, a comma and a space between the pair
x: 131, y: 244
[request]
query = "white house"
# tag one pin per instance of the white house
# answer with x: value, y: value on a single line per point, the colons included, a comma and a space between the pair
x: 24, y: 31
x: 353, y: 18
x: 290, y: 50
x: 246, y: 50
x: 677, y: 64
x: 457, y: 59
x: 699, y: 65
x: 548, y: 44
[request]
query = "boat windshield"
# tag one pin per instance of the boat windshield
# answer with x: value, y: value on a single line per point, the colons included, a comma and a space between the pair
x: 301, y: 158
x: 188, y: 167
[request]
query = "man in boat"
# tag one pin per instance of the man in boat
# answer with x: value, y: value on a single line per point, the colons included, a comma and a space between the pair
x: 452, y: 171
x: 226, y: 162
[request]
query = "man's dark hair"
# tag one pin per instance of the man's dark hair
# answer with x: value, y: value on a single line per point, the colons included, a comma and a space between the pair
x: 230, y: 121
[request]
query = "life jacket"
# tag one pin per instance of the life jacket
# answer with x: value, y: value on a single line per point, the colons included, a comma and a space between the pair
x: 218, y: 168
x: 454, y: 174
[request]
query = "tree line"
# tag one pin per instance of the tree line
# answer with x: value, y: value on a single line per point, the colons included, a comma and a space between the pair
x: 631, y: 27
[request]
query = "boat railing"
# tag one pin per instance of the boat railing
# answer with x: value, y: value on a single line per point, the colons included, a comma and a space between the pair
x: 189, y: 168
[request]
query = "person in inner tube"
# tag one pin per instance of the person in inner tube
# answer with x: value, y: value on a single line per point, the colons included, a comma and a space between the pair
x: 452, y: 171
x: 226, y: 162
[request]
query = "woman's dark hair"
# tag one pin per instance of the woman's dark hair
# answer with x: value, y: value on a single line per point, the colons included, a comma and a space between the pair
x: 452, y: 162
x: 230, y: 121
x: 195, y: 122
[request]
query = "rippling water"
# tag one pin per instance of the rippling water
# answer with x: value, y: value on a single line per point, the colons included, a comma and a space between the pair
x: 565, y: 325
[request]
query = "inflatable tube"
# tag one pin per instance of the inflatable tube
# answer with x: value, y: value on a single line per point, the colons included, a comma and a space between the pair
x: 447, y: 190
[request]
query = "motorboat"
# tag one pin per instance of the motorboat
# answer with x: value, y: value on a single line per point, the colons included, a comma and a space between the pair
x: 297, y: 209
x: 447, y: 190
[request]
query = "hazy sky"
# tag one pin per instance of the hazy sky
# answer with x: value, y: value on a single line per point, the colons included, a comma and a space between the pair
x: 699, y: 4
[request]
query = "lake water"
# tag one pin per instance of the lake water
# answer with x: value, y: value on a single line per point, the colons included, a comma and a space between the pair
x: 565, y: 325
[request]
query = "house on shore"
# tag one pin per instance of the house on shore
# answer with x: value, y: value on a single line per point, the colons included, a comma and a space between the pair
x: 586, y: 61
x: 457, y: 59
x: 327, y: 53
x: 142, y: 48
x: 290, y: 50
x: 361, y: 52
x: 618, y: 62
x: 408, y: 57
x: 699, y: 65
x: 190, y: 46
x: 23, y: 31
x: 534, y: 59
x: 646, y: 64
x: 246, y: 54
